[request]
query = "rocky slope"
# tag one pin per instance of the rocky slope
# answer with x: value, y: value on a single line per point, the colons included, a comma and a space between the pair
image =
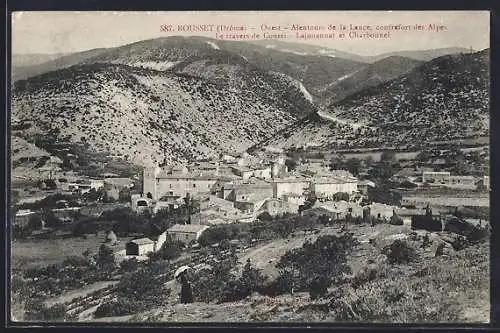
x: 314, y: 71
x: 317, y: 68
x: 365, y: 77
x: 444, y: 99
x: 309, y: 49
x: 21, y: 69
x: 202, y: 107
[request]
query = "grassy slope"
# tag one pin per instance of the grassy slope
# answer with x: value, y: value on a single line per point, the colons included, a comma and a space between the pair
x: 448, y: 289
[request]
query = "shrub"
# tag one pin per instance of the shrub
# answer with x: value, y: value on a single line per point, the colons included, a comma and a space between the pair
x: 217, y: 284
x: 124, y: 195
x: 122, y: 306
x: 315, y: 266
x: 400, y: 252
x: 38, y: 311
x: 129, y: 265
x: 252, y: 278
x: 341, y: 196
x: 265, y: 216
x: 51, y: 184
x: 170, y: 250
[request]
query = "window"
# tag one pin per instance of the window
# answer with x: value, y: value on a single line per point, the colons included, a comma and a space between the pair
x: 170, y: 185
x: 194, y: 185
x: 187, y: 236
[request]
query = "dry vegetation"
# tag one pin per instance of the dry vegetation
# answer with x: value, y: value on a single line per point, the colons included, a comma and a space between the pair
x: 441, y: 100
x: 117, y: 109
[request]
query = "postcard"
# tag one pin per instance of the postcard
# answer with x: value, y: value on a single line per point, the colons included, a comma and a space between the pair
x: 250, y: 167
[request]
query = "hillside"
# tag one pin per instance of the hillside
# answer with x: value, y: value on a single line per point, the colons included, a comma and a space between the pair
x: 314, y: 71
x: 368, y: 76
x: 444, y: 99
x: 21, y: 60
x: 308, y: 49
x: 144, y: 114
x: 22, y: 69
x: 431, y: 289
x: 312, y: 50
x: 319, y: 69
x: 421, y: 55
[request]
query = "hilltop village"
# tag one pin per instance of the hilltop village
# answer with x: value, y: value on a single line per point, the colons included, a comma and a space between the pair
x: 247, y: 188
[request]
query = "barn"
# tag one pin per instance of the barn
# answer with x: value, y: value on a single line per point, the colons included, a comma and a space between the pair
x: 186, y: 233
x: 139, y: 247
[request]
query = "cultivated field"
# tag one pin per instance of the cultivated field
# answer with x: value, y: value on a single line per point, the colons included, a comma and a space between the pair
x: 42, y: 252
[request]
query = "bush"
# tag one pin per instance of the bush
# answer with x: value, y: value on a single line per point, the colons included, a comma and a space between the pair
x: 217, y: 284
x: 265, y: 216
x: 51, y: 184
x: 137, y: 291
x: 170, y: 250
x: 400, y: 252
x: 315, y: 266
x: 36, y: 310
x: 121, y: 307
x: 129, y: 265
x: 341, y: 196
x: 252, y: 278
x: 124, y: 195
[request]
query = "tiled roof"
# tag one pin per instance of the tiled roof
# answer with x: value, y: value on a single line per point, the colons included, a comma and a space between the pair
x: 191, y: 228
x: 142, y: 241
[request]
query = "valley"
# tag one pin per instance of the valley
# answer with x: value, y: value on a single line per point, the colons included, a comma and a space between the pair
x: 276, y: 181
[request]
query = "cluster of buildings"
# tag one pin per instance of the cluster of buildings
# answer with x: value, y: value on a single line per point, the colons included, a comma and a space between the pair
x: 445, y: 178
x: 112, y: 185
x: 241, y: 188
x: 141, y: 247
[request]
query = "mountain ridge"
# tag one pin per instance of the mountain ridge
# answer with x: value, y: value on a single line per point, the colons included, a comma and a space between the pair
x: 444, y: 99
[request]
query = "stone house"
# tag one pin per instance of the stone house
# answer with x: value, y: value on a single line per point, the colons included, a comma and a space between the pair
x: 186, y: 233
x: 139, y: 247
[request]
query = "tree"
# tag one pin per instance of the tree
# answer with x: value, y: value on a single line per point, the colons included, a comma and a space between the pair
x: 352, y: 165
x: 105, y: 259
x: 369, y: 161
x: 423, y: 156
x: 400, y: 252
x: 35, y: 222
x: 339, y: 196
x: 291, y: 164
x: 50, y: 219
x: 50, y: 183
x: 316, y: 265
x: 191, y: 205
x: 265, y: 216
x: 336, y: 163
x: 309, y: 201
x: 170, y: 250
x: 388, y: 156
x: 252, y: 278
x: 124, y: 195
x: 382, y: 171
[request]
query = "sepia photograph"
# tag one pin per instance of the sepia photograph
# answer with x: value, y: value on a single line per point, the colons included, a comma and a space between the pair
x: 249, y: 167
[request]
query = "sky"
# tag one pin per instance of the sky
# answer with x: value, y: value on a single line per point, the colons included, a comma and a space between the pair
x: 66, y: 32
